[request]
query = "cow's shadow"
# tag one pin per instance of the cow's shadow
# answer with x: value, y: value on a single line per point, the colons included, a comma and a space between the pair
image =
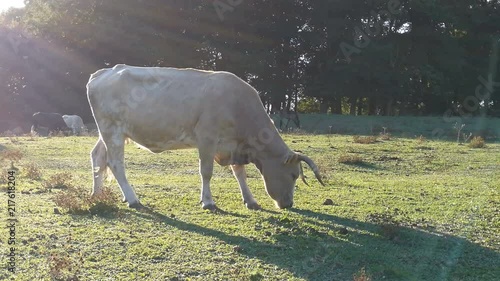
x: 319, y: 253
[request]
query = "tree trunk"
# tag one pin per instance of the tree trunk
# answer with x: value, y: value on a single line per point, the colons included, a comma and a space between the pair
x: 492, y: 72
x: 296, y: 101
x: 275, y: 106
x: 352, y: 109
x: 372, y: 106
x: 288, y: 102
x: 360, y: 107
x: 336, y: 106
x: 323, y: 106
x: 389, y: 108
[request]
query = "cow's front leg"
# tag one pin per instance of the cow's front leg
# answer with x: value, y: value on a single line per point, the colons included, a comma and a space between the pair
x: 206, y: 170
x: 241, y: 175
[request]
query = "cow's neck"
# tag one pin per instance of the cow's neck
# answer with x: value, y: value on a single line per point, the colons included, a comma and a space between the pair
x: 268, y: 144
x: 274, y: 152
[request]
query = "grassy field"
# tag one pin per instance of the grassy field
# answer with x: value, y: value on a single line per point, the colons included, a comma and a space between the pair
x: 431, y: 127
x: 399, y: 209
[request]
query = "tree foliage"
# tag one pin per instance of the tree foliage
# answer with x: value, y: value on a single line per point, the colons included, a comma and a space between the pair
x: 384, y: 57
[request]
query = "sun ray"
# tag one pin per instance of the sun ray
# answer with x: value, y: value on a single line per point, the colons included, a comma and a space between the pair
x: 6, y: 4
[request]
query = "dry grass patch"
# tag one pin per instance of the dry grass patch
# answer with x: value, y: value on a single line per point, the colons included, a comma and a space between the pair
x: 477, y: 142
x: 11, y: 154
x: 63, y: 267
x: 32, y: 171
x: 3, y: 178
x: 77, y: 200
x: 7, y: 134
x: 350, y: 159
x: 58, y: 181
x: 361, y: 275
x: 385, y: 136
x: 57, y: 134
x: 364, y: 140
x: 14, y: 139
x: 90, y: 133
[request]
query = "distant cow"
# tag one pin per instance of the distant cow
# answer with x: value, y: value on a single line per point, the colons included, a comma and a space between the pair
x: 168, y: 108
x: 75, y: 123
x: 51, y: 121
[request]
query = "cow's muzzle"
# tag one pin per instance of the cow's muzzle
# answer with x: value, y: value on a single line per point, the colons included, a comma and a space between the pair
x: 282, y: 205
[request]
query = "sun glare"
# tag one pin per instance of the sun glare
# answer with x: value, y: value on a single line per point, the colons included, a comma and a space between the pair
x: 6, y: 4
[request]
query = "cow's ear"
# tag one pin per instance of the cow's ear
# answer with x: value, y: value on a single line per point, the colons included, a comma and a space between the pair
x: 291, y: 157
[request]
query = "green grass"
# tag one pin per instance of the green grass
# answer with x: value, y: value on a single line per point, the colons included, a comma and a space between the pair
x: 411, y: 210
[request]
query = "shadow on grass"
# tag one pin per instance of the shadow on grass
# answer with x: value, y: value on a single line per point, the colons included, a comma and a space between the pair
x: 364, y: 165
x: 315, y: 248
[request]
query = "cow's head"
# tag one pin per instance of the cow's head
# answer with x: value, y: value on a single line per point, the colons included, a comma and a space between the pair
x: 281, y: 174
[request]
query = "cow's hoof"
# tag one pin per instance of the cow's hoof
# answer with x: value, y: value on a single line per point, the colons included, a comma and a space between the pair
x: 253, y: 206
x: 136, y: 205
x: 210, y: 207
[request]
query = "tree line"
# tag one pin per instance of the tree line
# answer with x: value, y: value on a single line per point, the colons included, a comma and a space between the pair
x: 360, y: 57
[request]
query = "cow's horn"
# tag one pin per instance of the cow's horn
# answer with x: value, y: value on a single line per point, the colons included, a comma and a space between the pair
x: 291, y: 158
x: 311, y: 164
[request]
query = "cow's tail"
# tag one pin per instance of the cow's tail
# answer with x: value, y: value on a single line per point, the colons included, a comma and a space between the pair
x: 99, y: 161
x: 108, y: 175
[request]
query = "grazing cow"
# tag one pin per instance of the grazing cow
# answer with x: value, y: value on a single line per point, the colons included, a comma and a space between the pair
x: 75, y: 123
x: 51, y: 121
x: 168, y: 108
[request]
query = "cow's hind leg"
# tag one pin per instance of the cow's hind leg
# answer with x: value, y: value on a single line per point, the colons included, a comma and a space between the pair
x: 241, y: 175
x: 115, y: 146
x: 99, y: 165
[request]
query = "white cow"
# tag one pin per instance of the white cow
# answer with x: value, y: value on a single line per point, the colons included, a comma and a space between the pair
x: 168, y: 108
x: 74, y: 122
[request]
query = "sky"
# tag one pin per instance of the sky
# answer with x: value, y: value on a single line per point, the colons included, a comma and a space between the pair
x: 5, y: 4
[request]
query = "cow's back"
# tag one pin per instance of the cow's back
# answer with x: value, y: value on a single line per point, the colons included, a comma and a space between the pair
x: 157, y: 105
